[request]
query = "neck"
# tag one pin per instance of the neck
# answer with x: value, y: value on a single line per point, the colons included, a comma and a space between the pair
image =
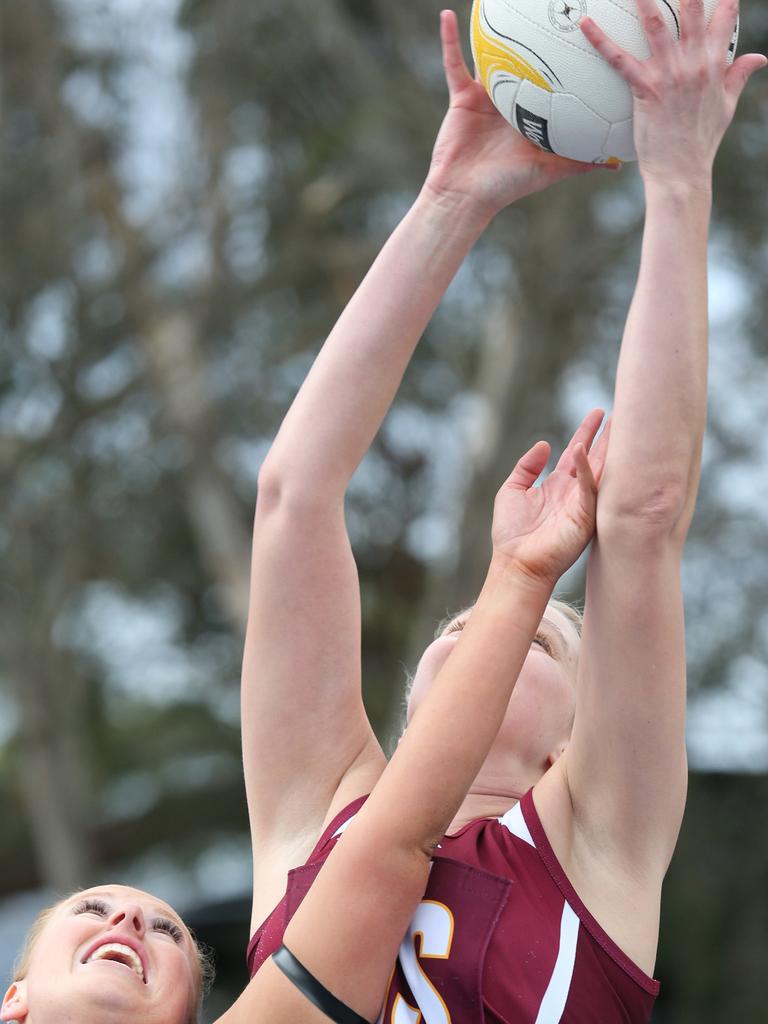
x: 483, y: 802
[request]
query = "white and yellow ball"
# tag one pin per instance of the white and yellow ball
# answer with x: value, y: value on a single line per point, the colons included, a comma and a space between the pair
x: 546, y: 79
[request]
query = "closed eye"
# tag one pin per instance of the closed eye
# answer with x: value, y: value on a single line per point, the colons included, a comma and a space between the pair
x: 162, y: 924
x: 542, y: 642
x: 540, y: 639
x: 90, y: 906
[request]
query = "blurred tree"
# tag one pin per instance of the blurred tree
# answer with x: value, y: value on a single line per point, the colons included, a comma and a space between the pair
x: 107, y: 429
x: 190, y: 193
x: 43, y: 561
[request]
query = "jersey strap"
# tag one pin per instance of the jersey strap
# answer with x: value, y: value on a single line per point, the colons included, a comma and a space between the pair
x: 335, y: 828
x: 559, y: 877
x: 310, y: 987
x: 268, y: 935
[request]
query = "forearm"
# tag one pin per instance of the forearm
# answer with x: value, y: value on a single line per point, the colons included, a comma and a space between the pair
x: 452, y: 731
x: 661, y: 384
x: 379, y: 870
x: 348, y: 929
x: 348, y: 391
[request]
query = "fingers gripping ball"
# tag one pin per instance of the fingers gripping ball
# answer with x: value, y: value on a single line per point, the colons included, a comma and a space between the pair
x: 547, y: 80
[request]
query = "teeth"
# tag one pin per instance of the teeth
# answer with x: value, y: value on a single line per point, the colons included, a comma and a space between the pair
x: 124, y: 955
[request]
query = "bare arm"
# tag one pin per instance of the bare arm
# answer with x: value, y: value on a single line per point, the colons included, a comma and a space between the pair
x: 357, y: 373
x: 478, y: 167
x: 305, y: 733
x: 348, y: 928
x: 626, y: 764
x: 305, y: 729
x: 303, y: 721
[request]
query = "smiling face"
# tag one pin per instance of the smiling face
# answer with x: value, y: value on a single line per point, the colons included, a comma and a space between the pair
x: 108, y: 955
x: 539, y: 716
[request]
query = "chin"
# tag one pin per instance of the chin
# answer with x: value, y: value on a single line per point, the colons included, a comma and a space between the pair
x: 116, y: 998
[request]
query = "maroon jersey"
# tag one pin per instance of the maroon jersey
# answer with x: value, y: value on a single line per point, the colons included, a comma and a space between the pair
x: 500, y: 936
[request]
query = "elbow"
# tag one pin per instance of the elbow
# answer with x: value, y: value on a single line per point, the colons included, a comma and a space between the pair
x: 290, y: 493
x: 390, y: 862
x: 659, y: 513
x: 270, y: 488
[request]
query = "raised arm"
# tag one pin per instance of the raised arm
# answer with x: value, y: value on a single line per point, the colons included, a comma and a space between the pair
x: 478, y: 168
x: 626, y: 764
x: 306, y: 738
x: 349, y: 926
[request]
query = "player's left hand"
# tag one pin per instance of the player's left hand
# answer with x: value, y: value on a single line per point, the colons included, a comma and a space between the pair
x: 685, y: 95
x: 478, y: 156
x: 543, y: 530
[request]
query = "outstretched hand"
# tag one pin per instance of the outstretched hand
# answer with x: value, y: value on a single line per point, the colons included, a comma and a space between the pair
x: 478, y: 155
x: 543, y: 530
x: 685, y: 94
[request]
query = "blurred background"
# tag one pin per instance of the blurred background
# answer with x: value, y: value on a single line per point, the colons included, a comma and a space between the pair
x: 190, y: 192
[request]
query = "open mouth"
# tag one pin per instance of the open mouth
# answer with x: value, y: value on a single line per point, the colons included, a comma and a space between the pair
x: 117, y: 952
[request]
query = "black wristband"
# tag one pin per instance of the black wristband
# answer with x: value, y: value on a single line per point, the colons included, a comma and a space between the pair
x: 310, y: 987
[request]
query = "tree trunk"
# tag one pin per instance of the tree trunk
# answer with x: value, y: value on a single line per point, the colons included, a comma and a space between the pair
x: 173, y: 353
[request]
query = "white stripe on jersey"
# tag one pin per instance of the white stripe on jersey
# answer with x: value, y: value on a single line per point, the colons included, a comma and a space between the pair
x: 515, y: 822
x: 553, y: 1003
x: 343, y: 828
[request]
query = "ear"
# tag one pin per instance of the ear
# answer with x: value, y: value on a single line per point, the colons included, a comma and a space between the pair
x: 14, y: 1006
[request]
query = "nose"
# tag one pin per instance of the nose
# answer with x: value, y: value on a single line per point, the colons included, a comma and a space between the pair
x: 132, y: 916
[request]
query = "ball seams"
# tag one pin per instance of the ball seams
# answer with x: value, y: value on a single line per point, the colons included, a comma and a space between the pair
x: 559, y: 36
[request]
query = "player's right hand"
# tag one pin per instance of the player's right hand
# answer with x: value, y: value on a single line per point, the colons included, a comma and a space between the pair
x: 478, y: 157
x: 541, y: 531
x: 685, y: 95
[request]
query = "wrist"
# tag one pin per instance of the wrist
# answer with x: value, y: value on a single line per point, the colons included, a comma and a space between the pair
x: 694, y: 191
x: 508, y: 572
x: 514, y: 595
x: 459, y: 208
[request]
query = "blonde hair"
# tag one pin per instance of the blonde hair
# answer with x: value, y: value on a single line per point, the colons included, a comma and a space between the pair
x: 573, y: 614
x: 204, y: 974
x: 21, y: 966
x: 570, y: 612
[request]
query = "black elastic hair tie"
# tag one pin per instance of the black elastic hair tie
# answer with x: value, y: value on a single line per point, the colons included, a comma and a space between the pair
x: 310, y: 987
